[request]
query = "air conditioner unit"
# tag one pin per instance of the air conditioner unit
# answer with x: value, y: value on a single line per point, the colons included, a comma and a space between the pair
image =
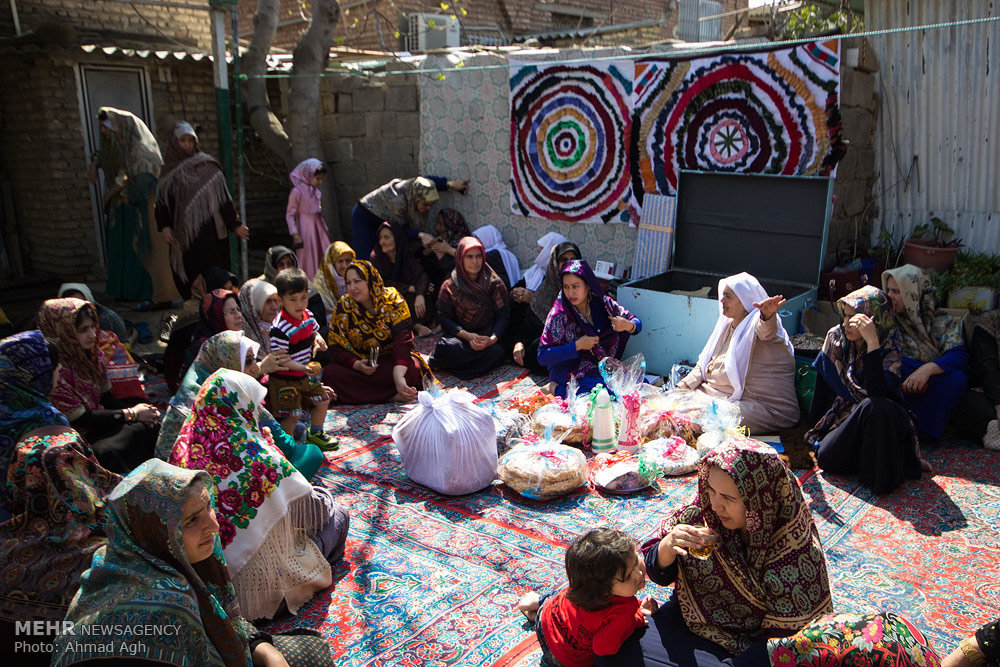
x: 433, y: 31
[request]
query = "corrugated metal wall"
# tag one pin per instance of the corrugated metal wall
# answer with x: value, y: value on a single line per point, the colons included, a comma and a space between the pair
x: 936, y: 150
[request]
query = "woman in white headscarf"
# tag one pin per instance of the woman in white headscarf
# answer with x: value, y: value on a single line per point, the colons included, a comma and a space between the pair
x: 496, y: 250
x: 749, y: 358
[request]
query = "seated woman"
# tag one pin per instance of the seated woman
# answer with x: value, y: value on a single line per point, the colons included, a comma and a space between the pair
x: 259, y: 304
x: 279, y: 258
x: 272, y: 515
x: 121, y: 433
x: 108, y: 319
x: 438, y: 257
x: 749, y: 507
x: 26, y: 368
x: 182, y: 330
x: 473, y: 309
x: 583, y: 327
x: 529, y: 309
x: 749, y: 358
x: 535, y: 274
x: 501, y: 260
x: 220, y: 311
x: 163, y: 535
x: 934, y: 353
x: 863, y: 426
x: 400, y: 270
x: 234, y: 351
x: 329, y: 281
x: 371, y: 316
x: 978, y: 414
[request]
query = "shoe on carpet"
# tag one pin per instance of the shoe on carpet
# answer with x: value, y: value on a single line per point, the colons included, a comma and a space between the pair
x: 992, y: 438
x: 323, y: 441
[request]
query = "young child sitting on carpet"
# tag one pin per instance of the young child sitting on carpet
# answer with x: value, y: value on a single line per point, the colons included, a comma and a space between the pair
x: 296, y: 332
x: 598, y: 611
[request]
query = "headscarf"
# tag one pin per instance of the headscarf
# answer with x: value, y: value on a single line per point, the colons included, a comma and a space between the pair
x: 25, y: 380
x: 57, y: 523
x: 841, y: 362
x: 193, y: 188
x: 564, y: 323
x: 274, y: 255
x: 265, y: 507
x: 549, y: 289
x: 328, y: 282
x: 423, y: 191
x: 455, y: 227
x: 139, y: 151
x: 405, y: 269
x: 492, y: 240
x: 927, y: 332
x: 81, y: 376
x: 226, y: 349
x: 143, y: 576
x: 397, y: 200
x: 358, y: 330
x: 301, y: 178
x: 216, y: 277
x: 107, y: 318
x: 749, y: 291
x: 211, y: 315
x: 476, y: 303
x: 253, y: 295
x: 210, y: 279
x: 772, y: 582
x: 535, y: 273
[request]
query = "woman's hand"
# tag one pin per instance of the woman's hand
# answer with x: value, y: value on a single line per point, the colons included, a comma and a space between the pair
x: 297, y: 241
x: 480, y: 342
x: 957, y: 658
x: 865, y: 326
x: 620, y: 324
x: 648, y: 606
x: 919, y: 380
x: 459, y: 185
x: 275, y: 361
x: 265, y: 655
x: 331, y: 395
x: 405, y: 390
x: 363, y: 366
x: 147, y: 414
x: 243, y: 232
x: 419, y: 305
x: 168, y: 235
x: 585, y: 343
x: 425, y: 239
x: 518, y: 353
x: 521, y: 294
x: 769, y: 306
x: 676, y: 543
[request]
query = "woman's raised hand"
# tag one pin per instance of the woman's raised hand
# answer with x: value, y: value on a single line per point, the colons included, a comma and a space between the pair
x: 866, y: 327
x: 275, y: 361
x: 769, y: 306
x: 587, y: 342
x: 622, y: 324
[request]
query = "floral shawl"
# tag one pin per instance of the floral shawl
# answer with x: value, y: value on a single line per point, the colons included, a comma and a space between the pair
x: 57, y: 523
x: 107, y: 318
x: 140, y: 154
x: 405, y: 270
x: 476, y: 303
x: 328, y: 282
x: 841, y: 363
x: 193, y: 188
x: 356, y: 329
x: 264, y: 502
x: 549, y: 288
x: 772, y: 582
x: 25, y: 381
x: 82, y: 376
x: 143, y: 576
x: 274, y: 255
x: 254, y: 293
x: 927, y: 332
x: 564, y: 323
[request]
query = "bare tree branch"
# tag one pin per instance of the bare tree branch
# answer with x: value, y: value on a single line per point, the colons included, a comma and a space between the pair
x: 263, y: 120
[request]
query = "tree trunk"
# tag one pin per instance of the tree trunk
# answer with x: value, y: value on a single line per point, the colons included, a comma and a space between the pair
x: 263, y: 120
x: 308, y: 63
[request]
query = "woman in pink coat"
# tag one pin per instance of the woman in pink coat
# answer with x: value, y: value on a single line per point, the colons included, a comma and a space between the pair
x: 304, y: 215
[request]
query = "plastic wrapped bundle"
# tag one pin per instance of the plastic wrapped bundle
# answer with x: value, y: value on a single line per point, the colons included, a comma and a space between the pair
x: 448, y: 443
x: 543, y: 470
x: 719, y: 421
x: 566, y: 423
x: 620, y: 472
x: 668, y: 456
x: 510, y: 424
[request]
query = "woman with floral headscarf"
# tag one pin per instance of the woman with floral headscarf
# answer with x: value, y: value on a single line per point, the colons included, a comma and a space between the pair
x: 194, y: 210
x: 371, y: 319
x: 583, y: 327
x: 934, y: 353
x: 402, y: 201
x: 329, y: 280
x: 121, y: 433
x: 473, y: 309
x: 866, y: 428
x: 304, y: 215
x: 163, y: 542
x: 268, y: 512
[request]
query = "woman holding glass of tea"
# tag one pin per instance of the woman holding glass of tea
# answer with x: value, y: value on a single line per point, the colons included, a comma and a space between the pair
x: 745, y: 557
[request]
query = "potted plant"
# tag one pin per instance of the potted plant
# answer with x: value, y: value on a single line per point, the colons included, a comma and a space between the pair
x: 932, y: 246
x: 972, y: 283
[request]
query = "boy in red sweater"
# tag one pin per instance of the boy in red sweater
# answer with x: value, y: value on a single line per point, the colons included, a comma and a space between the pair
x: 598, y: 611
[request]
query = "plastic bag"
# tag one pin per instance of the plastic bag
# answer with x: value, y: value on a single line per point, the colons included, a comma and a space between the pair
x: 567, y: 422
x: 620, y: 472
x: 509, y: 424
x: 667, y: 424
x: 623, y: 377
x: 677, y: 373
x: 448, y: 443
x: 720, y: 420
x: 668, y: 456
x: 543, y: 470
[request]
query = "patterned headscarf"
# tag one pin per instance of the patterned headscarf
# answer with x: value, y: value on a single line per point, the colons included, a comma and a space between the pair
x: 25, y: 380
x: 82, y: 375
x: 841, y: 362
x: 328, y: 282
x: 211, y: 315
x: 772, y: 581
x: 927, y: 332
x: 254, y: 293
x: 301, y: 178
x: 476, y: 303
x: 274, y: 255
x: 139, y: 151
x: 263, y: 500
x: 57, y: 523
x: 453, y: 226
x: 564, y: 323
x: 143, y: 576
x: 356, y: 329
x: 548, y: 290
x: 423, y: 191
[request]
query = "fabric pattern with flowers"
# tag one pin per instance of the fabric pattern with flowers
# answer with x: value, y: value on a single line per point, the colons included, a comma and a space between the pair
x: 927, y: 332
x: 356, y: 329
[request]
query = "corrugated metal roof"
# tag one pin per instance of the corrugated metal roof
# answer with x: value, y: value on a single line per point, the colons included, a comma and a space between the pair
x: 584, y: 32
x: 936, y: 152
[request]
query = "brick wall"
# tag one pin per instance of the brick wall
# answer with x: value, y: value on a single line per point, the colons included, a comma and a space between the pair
x: 189, y: 26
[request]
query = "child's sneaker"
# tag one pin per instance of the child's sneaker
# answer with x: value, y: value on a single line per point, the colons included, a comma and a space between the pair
x: 323, y: 441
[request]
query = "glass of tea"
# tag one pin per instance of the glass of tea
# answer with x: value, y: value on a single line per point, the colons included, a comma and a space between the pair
x: 704, y: 551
